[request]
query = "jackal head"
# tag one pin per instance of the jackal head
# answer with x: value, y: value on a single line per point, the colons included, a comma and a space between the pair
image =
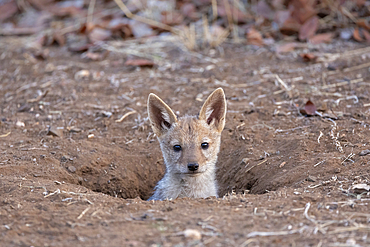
x: 189, y: 144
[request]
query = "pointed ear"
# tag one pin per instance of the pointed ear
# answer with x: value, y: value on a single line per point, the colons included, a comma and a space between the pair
x: 160, y: 115
x: 214, y: 110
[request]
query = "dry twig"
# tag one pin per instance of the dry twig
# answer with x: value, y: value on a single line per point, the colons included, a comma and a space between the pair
x: 5, y: 135
x: 125, y: 116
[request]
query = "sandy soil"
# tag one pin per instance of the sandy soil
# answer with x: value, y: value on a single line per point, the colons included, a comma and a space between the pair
x: 70, y: 175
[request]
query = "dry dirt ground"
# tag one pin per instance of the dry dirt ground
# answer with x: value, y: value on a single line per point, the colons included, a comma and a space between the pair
x: 71, y: 175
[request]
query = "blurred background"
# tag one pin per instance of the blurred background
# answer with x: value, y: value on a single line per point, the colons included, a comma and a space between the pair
x: 200, y: 24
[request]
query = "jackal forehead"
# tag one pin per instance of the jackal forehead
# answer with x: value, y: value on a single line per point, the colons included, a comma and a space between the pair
x: 190, y: 130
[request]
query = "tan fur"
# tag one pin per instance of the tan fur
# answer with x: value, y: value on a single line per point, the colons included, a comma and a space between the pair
x: 189, y: 132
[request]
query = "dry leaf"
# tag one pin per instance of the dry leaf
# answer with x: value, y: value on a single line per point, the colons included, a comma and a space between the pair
x: 290, y: 26
x: 367, y: 35
x: 8, y: 10
x: 140, y: 29
x: 281, y: 16
x: 288, y: 47
x: 360, y: 3
x: 79, y: 47
x: 357, y: 35
x: 40, y: 54
x: 309, y: 109
x: 254, y: 37
x: 95, y: 56
x: 99, y: 34
x: 66, y: 8
x: 321, y: 38
x: 139, y: 62
x: 309, y: 28
x: 265, y: 10
x: 59, y: 38
x: 302, y: 10
x: 363, y: 23
x: 172, y: 18
x: 241, y: 17
x: 189, y: 10
x: 308, y: 57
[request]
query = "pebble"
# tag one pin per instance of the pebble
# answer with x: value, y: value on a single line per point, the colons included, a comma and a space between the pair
x: 55, y: 131
x: 82, y: 74
x: 364, y: 152
x: 311, y: 178
x: 346, y: 34
x: 193, y: 234
x: 245, y: 160
x: 360, y: 188
x: 20, y: 124
x: 71, y: 169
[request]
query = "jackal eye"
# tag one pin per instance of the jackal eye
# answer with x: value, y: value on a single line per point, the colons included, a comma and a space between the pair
x: 177, y: 148
x: 204, y: 145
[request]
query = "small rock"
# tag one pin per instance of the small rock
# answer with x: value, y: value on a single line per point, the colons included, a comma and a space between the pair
x: 245, y: 160
x: 74, y: 129
x: 91, y: 136
x: 55, y: 131
x: 20, y: 124
x: 82, y: 74
x: 311, y: 178
x: 107, y: 114
x: 49, y: 68
x: 337, y: 65
x: 282, y: 164
x: 364, y: 152
x: 71, y: 169
x: 66, y: 158
x: 99, y: 34
x: 193, y: 234
x: 360, y: 188
x: 337, y: 170
x: 24, y: 108
x: 346, y: 34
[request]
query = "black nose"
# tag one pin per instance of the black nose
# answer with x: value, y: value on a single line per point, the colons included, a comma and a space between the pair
x: 193, y: 167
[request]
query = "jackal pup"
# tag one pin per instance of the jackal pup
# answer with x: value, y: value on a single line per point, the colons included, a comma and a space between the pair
x: 190, y: 146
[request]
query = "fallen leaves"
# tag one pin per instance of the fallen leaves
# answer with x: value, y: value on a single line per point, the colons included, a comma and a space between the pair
x: 308, y: 57
x: 254, y: 37
x: 307, y: 21
x: 99, y: 34
x: 321, y: 38
x: 361, y: 35
x: 363, y: 23
x: 287, y: 47
x: 7, y: 9
x: 309, y: 109
x: 356, y: 35
x: 309, y: 28
x: 139, y: 62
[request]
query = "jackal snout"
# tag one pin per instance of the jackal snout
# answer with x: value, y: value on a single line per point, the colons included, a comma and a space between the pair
x: 193, y: 167
x: 190, y: 146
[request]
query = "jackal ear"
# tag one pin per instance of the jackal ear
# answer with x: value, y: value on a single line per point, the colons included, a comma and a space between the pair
x: 160, y: 115
x: 214, y: 110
